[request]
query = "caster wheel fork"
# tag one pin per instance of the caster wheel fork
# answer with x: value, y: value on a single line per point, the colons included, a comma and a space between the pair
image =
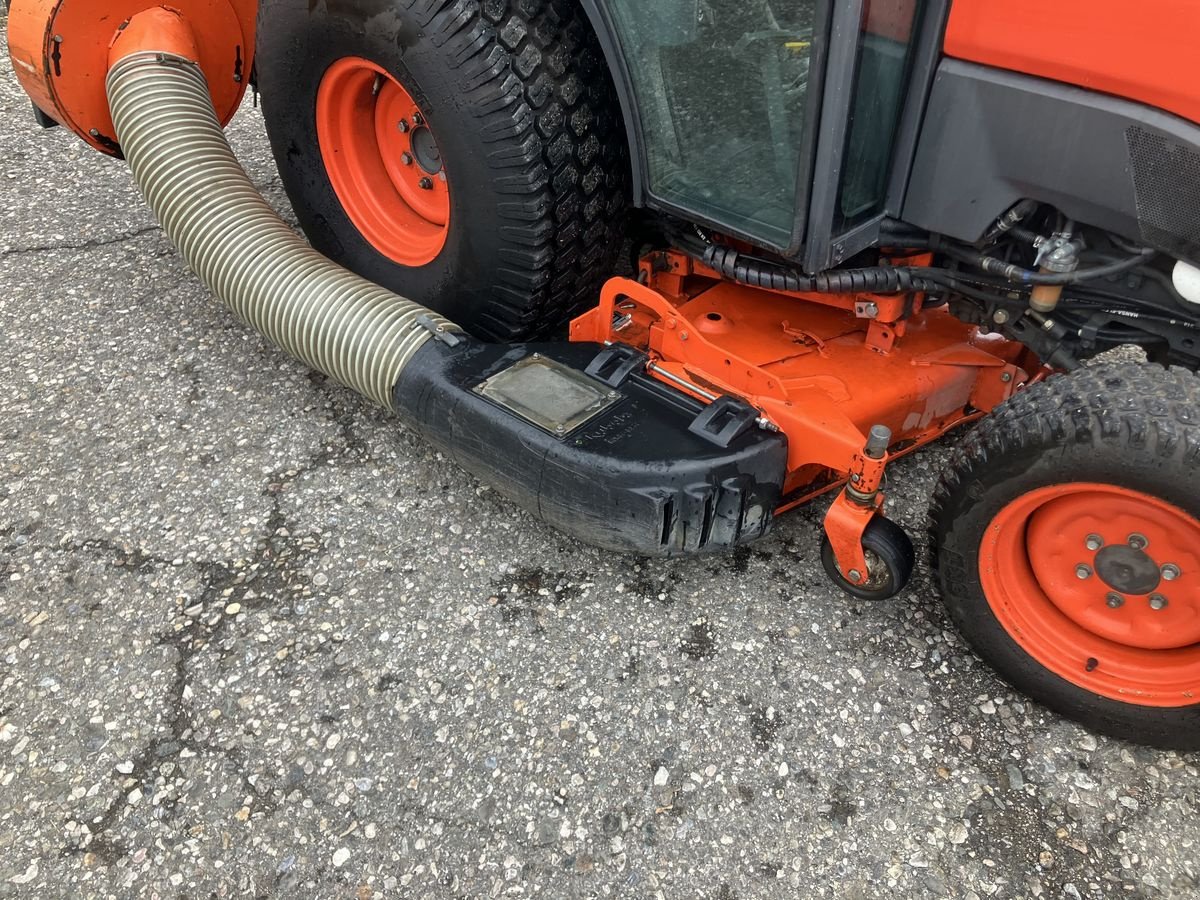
x: 867, y: 556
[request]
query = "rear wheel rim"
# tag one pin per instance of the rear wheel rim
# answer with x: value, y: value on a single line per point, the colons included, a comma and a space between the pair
x: 383, y: 161
x: 1100, y: 585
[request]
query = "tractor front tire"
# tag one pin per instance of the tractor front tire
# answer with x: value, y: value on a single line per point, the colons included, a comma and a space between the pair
x: 1066, y: 540
x: 468, y: 155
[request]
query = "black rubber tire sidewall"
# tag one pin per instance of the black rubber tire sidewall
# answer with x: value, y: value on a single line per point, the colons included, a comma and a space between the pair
x: 963, y: 513
x: 894, y: 548
x: 465, y: 282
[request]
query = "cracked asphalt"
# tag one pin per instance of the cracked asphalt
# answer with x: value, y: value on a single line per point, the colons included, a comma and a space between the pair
x: 258, y: 640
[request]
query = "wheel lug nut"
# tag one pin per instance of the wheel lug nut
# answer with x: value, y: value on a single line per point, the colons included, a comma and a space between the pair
x: 403, y: 126
x: 1158, y: 602
x: 1084, y: 572
x: 1094, y: 542
x: 1138, y: 541
x: 426, y: 184
x: 1170, y: 572
x: 418, y: 119
x: 406, y: 158
x: 1115, y: 601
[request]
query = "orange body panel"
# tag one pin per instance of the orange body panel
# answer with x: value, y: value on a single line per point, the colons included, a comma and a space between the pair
x: 1142, y: 52
x: 60, y: 52
x: 807, y: 362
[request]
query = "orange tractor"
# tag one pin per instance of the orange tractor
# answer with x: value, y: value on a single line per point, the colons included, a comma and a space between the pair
x: 661, y: 272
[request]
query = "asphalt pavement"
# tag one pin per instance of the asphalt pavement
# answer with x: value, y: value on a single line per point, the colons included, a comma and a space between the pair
x: 258, y: 640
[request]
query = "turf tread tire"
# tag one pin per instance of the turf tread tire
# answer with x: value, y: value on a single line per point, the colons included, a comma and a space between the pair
x: 547, y: 210
x: 1130, y: 424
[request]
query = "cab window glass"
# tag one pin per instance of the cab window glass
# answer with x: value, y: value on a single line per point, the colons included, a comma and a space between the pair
x: 722, y: 89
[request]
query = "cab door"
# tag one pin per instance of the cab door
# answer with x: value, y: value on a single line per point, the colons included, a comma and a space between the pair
x: 776, y: 121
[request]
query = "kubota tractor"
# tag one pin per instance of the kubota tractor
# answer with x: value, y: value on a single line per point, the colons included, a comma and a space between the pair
x: 847, y: 227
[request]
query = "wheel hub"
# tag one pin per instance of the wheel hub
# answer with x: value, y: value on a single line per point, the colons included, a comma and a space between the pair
x: 1128, y: 571
x: 425, y: 150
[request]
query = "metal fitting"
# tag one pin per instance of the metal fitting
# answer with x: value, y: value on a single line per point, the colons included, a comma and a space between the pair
x: 1057, y: 255
x: 878, y: 441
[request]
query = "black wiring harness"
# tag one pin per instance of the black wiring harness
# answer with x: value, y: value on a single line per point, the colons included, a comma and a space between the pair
x: 1090, y: 318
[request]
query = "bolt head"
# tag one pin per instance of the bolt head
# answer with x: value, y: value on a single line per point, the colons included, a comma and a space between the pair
x: 426, y: 184
x: 1094, y: 542
x: 1170, y: 572
x: 1138, y: 541
x: 1115, y: 601
x: 1001, y: 317
x: 1158, y: 602
x: 1006, y: 377
x: 1083, y: 572
x: 403, y: 126
x: 418, y: 119
x: 855, y: 576
x: 406, y: 158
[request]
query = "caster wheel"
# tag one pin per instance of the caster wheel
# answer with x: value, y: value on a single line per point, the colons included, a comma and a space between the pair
x: 890, y: 562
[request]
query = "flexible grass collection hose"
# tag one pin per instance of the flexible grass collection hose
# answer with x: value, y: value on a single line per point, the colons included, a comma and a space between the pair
x: 356, y: 332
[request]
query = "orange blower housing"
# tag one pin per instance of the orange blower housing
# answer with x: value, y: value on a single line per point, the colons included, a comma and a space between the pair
x: 60, y: 52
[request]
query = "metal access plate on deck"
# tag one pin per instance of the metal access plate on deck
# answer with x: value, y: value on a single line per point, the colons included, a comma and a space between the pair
x: 548, y: 394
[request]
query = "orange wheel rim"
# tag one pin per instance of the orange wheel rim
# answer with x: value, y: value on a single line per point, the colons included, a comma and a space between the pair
x: 1101, y: 585
x: 383, y: 161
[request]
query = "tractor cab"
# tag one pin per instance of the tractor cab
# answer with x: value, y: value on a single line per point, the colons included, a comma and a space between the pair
x: 776, y: 123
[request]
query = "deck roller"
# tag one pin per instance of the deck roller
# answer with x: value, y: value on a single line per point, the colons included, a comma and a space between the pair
x: 578, y: 434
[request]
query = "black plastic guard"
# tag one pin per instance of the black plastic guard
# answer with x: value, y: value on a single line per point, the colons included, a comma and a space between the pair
x: 632, y: 479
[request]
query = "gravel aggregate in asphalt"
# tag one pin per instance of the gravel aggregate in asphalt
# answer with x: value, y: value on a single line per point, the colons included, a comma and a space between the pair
x: 256, y: 639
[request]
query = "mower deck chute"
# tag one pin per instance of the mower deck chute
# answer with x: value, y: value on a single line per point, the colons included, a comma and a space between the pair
x: 592, y: 444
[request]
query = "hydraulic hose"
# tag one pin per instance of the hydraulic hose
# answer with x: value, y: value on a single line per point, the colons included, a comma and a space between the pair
x: 356, y: 332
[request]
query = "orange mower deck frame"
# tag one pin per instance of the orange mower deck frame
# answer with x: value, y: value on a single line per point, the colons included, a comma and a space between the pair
x: 822, y: 368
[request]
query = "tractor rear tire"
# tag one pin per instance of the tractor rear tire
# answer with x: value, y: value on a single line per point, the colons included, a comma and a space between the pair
x: 1066, y: 540
x: 517, y: 98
